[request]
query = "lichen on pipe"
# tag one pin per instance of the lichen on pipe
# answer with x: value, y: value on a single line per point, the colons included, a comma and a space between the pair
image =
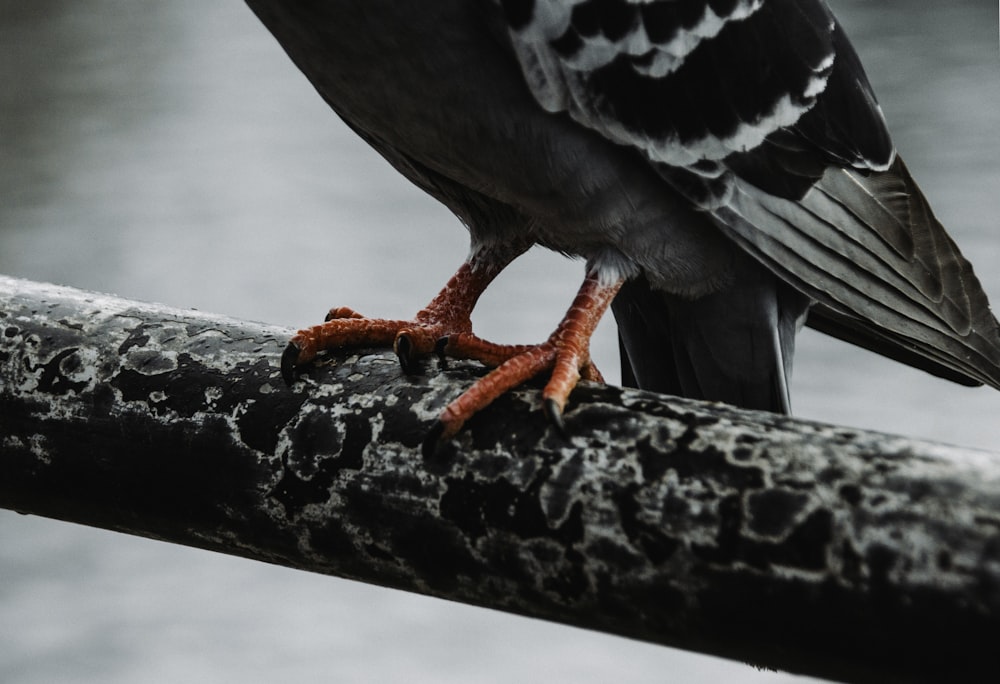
x: 828, y: 551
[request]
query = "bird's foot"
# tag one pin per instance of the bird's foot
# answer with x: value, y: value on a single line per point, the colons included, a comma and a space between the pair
x: 444, y: 327
x: 345, y: 328
x: 447, y: 314
x: 566, y: 354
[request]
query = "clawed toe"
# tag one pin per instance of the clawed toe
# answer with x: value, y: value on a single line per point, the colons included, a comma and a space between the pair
x: 289, y: 362
x: 405, y: 352
x: 444, y: 328
x: 553, y: 411
x: 434, y: 437
x: 341, y: 312
x: 566, y: 354
x: 439, y: 350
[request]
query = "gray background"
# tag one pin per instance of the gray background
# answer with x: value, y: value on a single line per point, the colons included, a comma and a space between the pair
x: 169, y: 151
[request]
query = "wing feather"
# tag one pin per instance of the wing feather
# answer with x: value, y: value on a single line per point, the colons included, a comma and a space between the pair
x: 930, y: 303
x: 670, y: 77
x: 760, y: 112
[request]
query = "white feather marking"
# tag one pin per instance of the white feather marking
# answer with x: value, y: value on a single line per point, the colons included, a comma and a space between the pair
x: 673, y: 152
x: 560, y: 83
x: 611, y: 266
x: 552, y: 19
x: 545, y: 79
x: 663, y: 64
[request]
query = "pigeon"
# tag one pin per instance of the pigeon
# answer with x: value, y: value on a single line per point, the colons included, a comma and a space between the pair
x: 722, y: 166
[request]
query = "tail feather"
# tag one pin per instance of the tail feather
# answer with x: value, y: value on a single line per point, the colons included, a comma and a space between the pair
x: 734, y: 345
x: 850, y: 329
x: 884, y: 272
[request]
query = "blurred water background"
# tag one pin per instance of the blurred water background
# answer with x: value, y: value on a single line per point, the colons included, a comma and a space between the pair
x: 169, y: 151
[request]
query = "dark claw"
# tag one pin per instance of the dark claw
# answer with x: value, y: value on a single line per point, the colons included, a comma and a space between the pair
x: 404, y: 352
x: 432, y: 440
x: 439, y: 348
x: 554, y: 414
x: 289, y: 360
x: 329, y: 316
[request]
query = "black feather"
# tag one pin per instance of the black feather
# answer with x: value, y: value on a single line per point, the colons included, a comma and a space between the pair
x: 734, y: 345
x: 870, y: 251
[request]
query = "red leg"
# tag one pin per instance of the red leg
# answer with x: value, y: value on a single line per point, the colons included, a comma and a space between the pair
x: 445, y: 325
x: 566, y: 353
x: 447, y: 314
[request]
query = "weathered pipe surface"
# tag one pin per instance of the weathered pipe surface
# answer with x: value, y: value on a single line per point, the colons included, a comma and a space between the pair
x: 793, y: 545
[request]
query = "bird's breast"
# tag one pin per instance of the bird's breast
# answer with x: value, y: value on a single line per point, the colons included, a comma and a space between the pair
x: 437, y: 83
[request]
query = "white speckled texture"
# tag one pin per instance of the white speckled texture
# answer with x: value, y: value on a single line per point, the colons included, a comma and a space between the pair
x: 655, y: 519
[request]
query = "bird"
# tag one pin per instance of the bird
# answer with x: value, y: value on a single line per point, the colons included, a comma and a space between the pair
x: 722, y: 166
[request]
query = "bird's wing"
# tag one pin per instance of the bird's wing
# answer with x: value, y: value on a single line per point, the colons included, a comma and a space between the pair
x: 760, y: 112
x: 691, y: 83
x: 885, y: 273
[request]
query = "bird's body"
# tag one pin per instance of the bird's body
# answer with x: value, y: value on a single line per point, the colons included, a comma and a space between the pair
x: 724, y: 158
x: 481, y: 144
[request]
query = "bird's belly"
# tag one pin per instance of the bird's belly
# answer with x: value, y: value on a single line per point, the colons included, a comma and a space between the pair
x: 453, y: 100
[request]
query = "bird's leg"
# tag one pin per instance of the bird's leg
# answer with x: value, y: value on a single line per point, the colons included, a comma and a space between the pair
x: 566, y: 353
x: 450, y: 312
x: 447, y: 314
